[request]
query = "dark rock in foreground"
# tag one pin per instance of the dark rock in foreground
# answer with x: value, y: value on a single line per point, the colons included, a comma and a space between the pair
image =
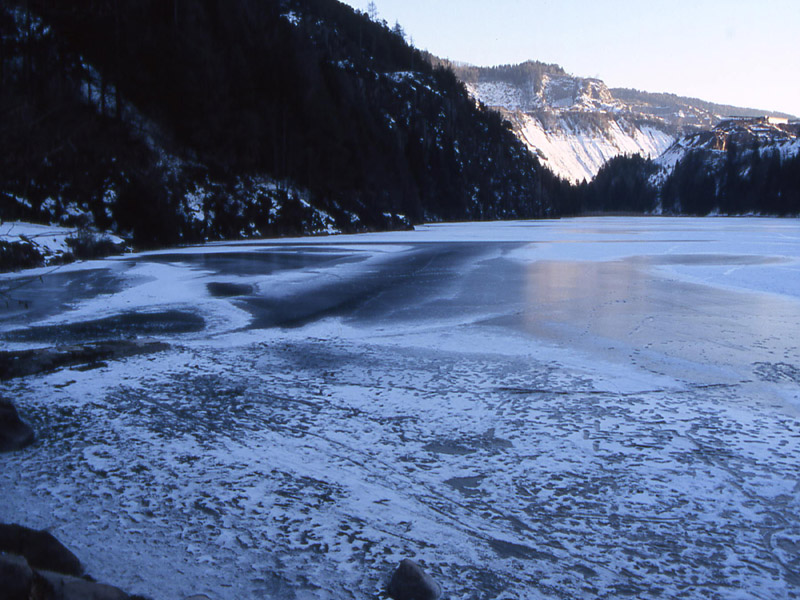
x: 36, y: 566
x: 410, y: 582
x: 18, y: 581
x: 14, y: 433
x: 40, y: 549
x: 43, y: 360
x: 16, y: 578
x: 64, y: 587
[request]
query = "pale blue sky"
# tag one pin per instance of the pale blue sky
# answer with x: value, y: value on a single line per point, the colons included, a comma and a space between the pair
x: 740, y: 52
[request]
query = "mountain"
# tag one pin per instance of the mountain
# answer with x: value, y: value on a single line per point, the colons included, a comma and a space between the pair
x: 174, y: 121
x: 575, y: 125
x: 743, y: 165
x: 764, y: 133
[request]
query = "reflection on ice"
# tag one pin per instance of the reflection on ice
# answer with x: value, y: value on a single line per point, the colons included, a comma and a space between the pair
x: 623, y: 309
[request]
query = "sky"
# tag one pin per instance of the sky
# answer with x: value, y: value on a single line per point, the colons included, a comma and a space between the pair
x: 740, y: 52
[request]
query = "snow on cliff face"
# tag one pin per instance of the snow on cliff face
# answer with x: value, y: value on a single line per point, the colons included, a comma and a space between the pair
x: 573, y: 125
x: 745, y: 133
x: 565, y: 91
x: 576, y: 150
x: 507, y: 95
x: 552, y: 91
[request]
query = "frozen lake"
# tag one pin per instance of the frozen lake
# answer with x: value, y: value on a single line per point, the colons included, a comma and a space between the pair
x: 588, y: 408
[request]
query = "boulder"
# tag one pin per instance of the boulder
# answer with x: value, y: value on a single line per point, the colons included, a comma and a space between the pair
x: 14, y: 433
x: 40, y: 549
x: 16, y: 577
x: 28, y: 563
x: 65, y: 587
x: 410, y: 582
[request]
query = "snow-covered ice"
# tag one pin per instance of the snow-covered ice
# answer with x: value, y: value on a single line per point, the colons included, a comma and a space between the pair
x: 589, y: 408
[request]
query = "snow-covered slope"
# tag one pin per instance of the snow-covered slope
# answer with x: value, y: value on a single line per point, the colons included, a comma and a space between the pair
x: 559, y: 91
x: 576, y: 151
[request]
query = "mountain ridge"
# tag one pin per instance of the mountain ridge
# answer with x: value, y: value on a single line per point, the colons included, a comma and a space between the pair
x: 577, y: 124
x: 724, y: 110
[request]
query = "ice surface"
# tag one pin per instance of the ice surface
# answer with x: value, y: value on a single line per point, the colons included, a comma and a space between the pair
x: 590, y: 408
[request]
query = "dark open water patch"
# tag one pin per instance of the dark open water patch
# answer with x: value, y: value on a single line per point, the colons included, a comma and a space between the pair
x: 84, y: 357
x: 27, y: 298
x: 125, y: 325
x: 258, y: 262
x: 229, y: 290
x: 401, y: 288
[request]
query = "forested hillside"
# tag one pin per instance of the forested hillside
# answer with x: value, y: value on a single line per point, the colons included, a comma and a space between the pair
x: 742, y: 166
x: 178, y: 120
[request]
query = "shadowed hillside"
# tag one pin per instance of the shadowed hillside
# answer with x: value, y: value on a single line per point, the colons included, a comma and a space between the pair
x: 176, y: 120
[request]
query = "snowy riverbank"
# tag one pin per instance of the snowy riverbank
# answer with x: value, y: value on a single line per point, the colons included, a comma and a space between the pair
x: 29, y: 245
